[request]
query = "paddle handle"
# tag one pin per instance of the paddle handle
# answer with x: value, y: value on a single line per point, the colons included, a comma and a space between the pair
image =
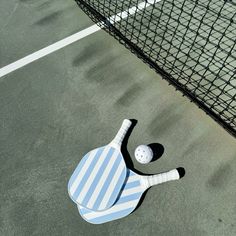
x: 117, y: 141
x: 162, y: 178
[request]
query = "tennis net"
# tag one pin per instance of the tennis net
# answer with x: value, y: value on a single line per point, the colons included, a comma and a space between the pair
x: 190, y: 43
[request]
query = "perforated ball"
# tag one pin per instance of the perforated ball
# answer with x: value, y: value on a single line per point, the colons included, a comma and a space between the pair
x: 143, y: 154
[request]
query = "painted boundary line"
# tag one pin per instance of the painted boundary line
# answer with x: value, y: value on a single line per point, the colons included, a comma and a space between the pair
x: 48, y: 50
x: 71, y: 39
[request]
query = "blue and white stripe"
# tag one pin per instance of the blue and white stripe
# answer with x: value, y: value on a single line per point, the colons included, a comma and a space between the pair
x: 125, y: 204
x: 98, y: 178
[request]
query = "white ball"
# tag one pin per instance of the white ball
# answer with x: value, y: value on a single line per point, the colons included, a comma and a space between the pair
x: 143, y: 154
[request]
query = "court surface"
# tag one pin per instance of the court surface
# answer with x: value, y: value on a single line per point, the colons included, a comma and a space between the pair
x: 57, y: 108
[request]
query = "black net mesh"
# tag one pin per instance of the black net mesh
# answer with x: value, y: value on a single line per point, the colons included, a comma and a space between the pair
x: 191, y: 43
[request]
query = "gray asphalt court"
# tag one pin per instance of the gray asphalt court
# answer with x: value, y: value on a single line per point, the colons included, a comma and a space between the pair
x: 57, y: 108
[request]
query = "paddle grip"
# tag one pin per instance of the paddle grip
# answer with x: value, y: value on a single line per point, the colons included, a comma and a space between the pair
x: 117, y: 141
x: 162, y: 178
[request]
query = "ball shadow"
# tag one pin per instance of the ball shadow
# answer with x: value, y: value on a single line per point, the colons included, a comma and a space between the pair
x: 157, y: 149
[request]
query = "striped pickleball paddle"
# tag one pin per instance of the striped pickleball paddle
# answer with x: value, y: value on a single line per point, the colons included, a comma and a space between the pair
x: 134, y: 186
x: 98, y: 178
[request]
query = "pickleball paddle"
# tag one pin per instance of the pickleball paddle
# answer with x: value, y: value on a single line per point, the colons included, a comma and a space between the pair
x: 132, y: 190
x: 98, y: 178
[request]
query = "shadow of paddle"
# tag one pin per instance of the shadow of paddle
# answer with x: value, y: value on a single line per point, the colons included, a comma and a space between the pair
x: 158, y: 150
x: 124, y: 145
x: 181, y: 171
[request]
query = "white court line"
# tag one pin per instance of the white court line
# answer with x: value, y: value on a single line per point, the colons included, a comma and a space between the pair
x: 48, y: 50
x: 70, y: 39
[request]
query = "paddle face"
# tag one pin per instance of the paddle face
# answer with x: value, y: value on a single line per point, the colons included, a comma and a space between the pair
x: 130, y: 194
x: 128, y: 199
x: 98, y: 178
